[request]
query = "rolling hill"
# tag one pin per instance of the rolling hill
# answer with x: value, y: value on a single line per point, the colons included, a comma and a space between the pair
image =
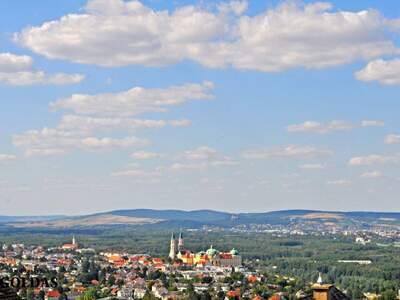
x: 194, y: 219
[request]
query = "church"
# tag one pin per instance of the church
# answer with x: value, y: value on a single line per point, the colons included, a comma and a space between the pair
x: 209, y: 257
x: 72, y: 246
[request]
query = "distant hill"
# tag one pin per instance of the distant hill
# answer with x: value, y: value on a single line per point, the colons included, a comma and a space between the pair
x: 178, y: 215
x: 7, y: 219
x: 195, y: 219
x: 86, y: 221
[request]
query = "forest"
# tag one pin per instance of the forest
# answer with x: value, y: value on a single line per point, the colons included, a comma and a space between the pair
x: 300, y: 257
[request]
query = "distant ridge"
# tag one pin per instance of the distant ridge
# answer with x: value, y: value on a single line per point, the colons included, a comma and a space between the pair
x: 5, y: 219
x: 194, y: 215
x: 195, y: 218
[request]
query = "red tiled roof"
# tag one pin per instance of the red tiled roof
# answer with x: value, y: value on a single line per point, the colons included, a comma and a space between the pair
x: 252, y: 278
x: 53, y: 294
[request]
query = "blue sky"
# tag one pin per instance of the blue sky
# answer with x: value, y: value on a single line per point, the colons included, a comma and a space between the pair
x: 235, y: 106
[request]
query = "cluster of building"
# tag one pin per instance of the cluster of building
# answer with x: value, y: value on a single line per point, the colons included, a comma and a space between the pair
x: 209, y: 257
x: 361, y: 234
x: 126, y: 276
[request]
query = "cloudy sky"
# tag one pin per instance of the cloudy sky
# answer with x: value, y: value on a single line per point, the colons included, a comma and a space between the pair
x: 234, y: 106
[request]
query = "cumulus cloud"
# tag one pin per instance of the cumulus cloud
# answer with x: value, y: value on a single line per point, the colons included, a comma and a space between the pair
x: 312, y: 126
x: 291, y: 35
x: 132, y: 33
x: 108, y: 113
x: 134, y: 101
x: 291, y: 151
x: 312, y: 166
x: 386, y: 72
x: 236, y: 7
x: 392, y: 139
x: 137, y: 173
x: 50, y: 141
x: 200, y: 153
x: 372, y: 123
x: 16, y: 70
x: 45, y: 151
x: 336, y: 125
x: 39, y: 78
x: 201, y: 158
x: 225, y: 162
x: 143, y: 155
x: 95, y: 142
x: 87, y: 123
x: 7, y: 158
x: 340, y: 182
x: 374, y: 159
x: 372, y: 174
x: 13, y: 63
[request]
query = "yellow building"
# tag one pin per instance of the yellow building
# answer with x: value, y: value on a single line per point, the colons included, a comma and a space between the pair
x: 211, y: 257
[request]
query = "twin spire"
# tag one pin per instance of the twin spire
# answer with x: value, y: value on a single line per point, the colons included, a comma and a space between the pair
x: 174, y: 247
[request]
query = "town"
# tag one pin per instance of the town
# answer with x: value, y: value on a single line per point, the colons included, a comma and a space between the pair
x: 86, y: 274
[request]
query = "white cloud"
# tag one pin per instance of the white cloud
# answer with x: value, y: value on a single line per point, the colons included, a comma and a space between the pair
x: 57, y: 142
x: 200, y: 153
x: 236, y: 7
x: 189, y: 166
x: 116, y: 33
x: 45, y: 151
x: 392, y: 139
x: 137, y: 173
x: 342, y: 182
x: 202, y: 158
x: 386, y: 72
x: 39, y: 78
x: 373, y: 174
x: 97, y: 143
x: 86, y: 123
x: 372, y: 123
x: 111, y: 113
x: 134, y: 101
x: 7, y: 158
x: 227, y: 162
x: 143, y: 155
x: 199, y: 159
x: 374, y: 159
x: 13, y: 63
x: 16, y: 70
x: 47, y: 138
x: 120, y: 33
x: 312, y: 166
x: 336, y: 125
x: 316, y: 127
x: 291, y: 151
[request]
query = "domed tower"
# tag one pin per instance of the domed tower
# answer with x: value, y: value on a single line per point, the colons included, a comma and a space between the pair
x: 180, y: 242
x: 172, y: 248
x: 234, y: 252
x: 211, y: 252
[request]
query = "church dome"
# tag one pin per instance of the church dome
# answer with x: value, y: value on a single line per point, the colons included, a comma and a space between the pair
x: 234, y: 252
x: 212, y: 252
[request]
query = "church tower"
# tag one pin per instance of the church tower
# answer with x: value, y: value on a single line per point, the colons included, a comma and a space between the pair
x: 172, y: 248
x: 180, y: 242
x: 73, y: 240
